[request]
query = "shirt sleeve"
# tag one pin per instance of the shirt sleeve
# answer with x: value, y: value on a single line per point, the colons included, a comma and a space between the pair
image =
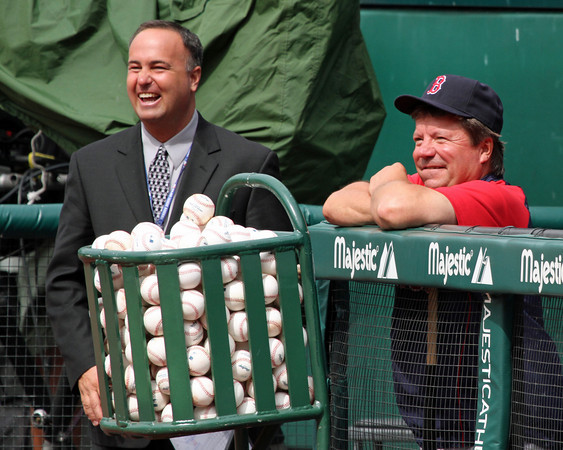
x: 488, y: 204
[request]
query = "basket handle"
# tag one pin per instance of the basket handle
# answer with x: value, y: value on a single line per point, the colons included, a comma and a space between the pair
x: 260, y: 180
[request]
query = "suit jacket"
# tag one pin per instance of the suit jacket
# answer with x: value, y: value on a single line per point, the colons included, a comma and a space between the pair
x: 106, y: 190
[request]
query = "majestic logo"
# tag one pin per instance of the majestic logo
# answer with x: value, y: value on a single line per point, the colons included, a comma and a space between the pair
x: 437, y: 85
x: 365, y: 258
x: 486, y: 390
x: 387, y: 266
x: 482, y: 273
x: 540, y: 271
x: 447, y: 264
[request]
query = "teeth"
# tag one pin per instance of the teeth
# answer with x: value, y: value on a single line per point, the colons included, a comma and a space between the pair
x: 147, y: 95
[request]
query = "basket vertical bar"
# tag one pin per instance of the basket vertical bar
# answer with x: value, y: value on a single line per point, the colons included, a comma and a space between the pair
x: 98, y: 338
x: 138, y: 343
x: 174, y: 339
x: 218, y: 336
x: 114, y: 343
x: 296, y: 359
x: 258, y: 332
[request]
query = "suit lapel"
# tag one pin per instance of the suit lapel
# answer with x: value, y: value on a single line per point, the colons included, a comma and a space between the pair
x: 202, y: 162
x: 130, y: 172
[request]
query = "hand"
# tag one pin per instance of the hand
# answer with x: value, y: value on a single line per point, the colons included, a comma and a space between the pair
x: 394, y: 172
x: 90, y: 395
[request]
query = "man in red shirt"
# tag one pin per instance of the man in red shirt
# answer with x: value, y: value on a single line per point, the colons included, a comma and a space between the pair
x: 459, y: 162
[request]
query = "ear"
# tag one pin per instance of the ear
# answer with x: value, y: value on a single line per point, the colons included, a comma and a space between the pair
x: 486, y: 150
x: 195, y: 77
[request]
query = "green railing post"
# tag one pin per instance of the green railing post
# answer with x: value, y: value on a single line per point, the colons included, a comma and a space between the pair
x: 495, y: 373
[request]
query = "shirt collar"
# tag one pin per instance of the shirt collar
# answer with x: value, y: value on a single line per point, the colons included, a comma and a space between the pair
x: 177, y: 146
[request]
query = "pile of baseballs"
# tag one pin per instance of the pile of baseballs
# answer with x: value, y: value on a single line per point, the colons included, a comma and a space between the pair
x: 197, y: 226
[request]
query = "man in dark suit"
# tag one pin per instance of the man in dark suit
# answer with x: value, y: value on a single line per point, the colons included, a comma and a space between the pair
x: 108, y: 189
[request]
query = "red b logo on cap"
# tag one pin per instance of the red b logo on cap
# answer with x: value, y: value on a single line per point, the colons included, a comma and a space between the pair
x: 437, y: 85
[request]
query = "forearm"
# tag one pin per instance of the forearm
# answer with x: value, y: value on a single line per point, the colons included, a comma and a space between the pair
x: 349, y: 206
x: 401, y: 204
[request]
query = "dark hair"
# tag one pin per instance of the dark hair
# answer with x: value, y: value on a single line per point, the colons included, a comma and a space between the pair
x: 477, y: 131
x: 191, y: 40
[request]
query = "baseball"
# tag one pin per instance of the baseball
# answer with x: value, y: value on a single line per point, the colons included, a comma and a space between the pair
x: 116, y: 277
x: 239, y: 392
x: 184, y: 228
x: 242, y: 365
x: 280, y: 374
x: 168, y: 244
x: 311, y: 389
x: 99, y: 242
x: 282, y: 400
x: 267, y: 259
x: 149, y: 290
x: 156, y: 351
x: 146, y: 236
x: 202, y: 241
x: 229, y: 269
x: 271, y: 291
x: 219, y: 222
x: 189, y: 241
x: 153, y: 320
x: 274, y: 321
x: 107, y: 366
x: 193, y: 332
x: 103, y: 317
x: 193, y: 304
x: 127, y: 352
x: 305, y: 337
x: 202, y: 391
x: 268, y: 263
x: 238, y: 233
x: 153, y: 370
x: 216, y: 235
x: 199, y: 361
x: 277, y: 353
x: 238, y: 326
x: 166, y: 414
x: 205, y: 412
x: 199, y: 208
x: 159, y: 399
x: 133, y: 407
x: 162, y: 380
x: 263, y: 234
x: 234, y: 295
x: 119, y: 240
x: 189, y: 275
x: 248, y: 406
x: 129, y: 376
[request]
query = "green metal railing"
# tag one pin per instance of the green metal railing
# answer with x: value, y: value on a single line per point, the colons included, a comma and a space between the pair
x: 498, y: 262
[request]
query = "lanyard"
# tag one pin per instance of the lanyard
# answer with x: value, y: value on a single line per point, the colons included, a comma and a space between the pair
x: 166, y: 207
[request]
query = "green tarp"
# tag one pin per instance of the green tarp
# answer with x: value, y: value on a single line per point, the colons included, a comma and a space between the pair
x: 293, y: 75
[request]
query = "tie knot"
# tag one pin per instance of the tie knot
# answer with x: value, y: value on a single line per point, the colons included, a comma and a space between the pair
x: 162, y: 152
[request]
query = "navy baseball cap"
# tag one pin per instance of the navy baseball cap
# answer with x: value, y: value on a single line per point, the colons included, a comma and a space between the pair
x: 460, y: 96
